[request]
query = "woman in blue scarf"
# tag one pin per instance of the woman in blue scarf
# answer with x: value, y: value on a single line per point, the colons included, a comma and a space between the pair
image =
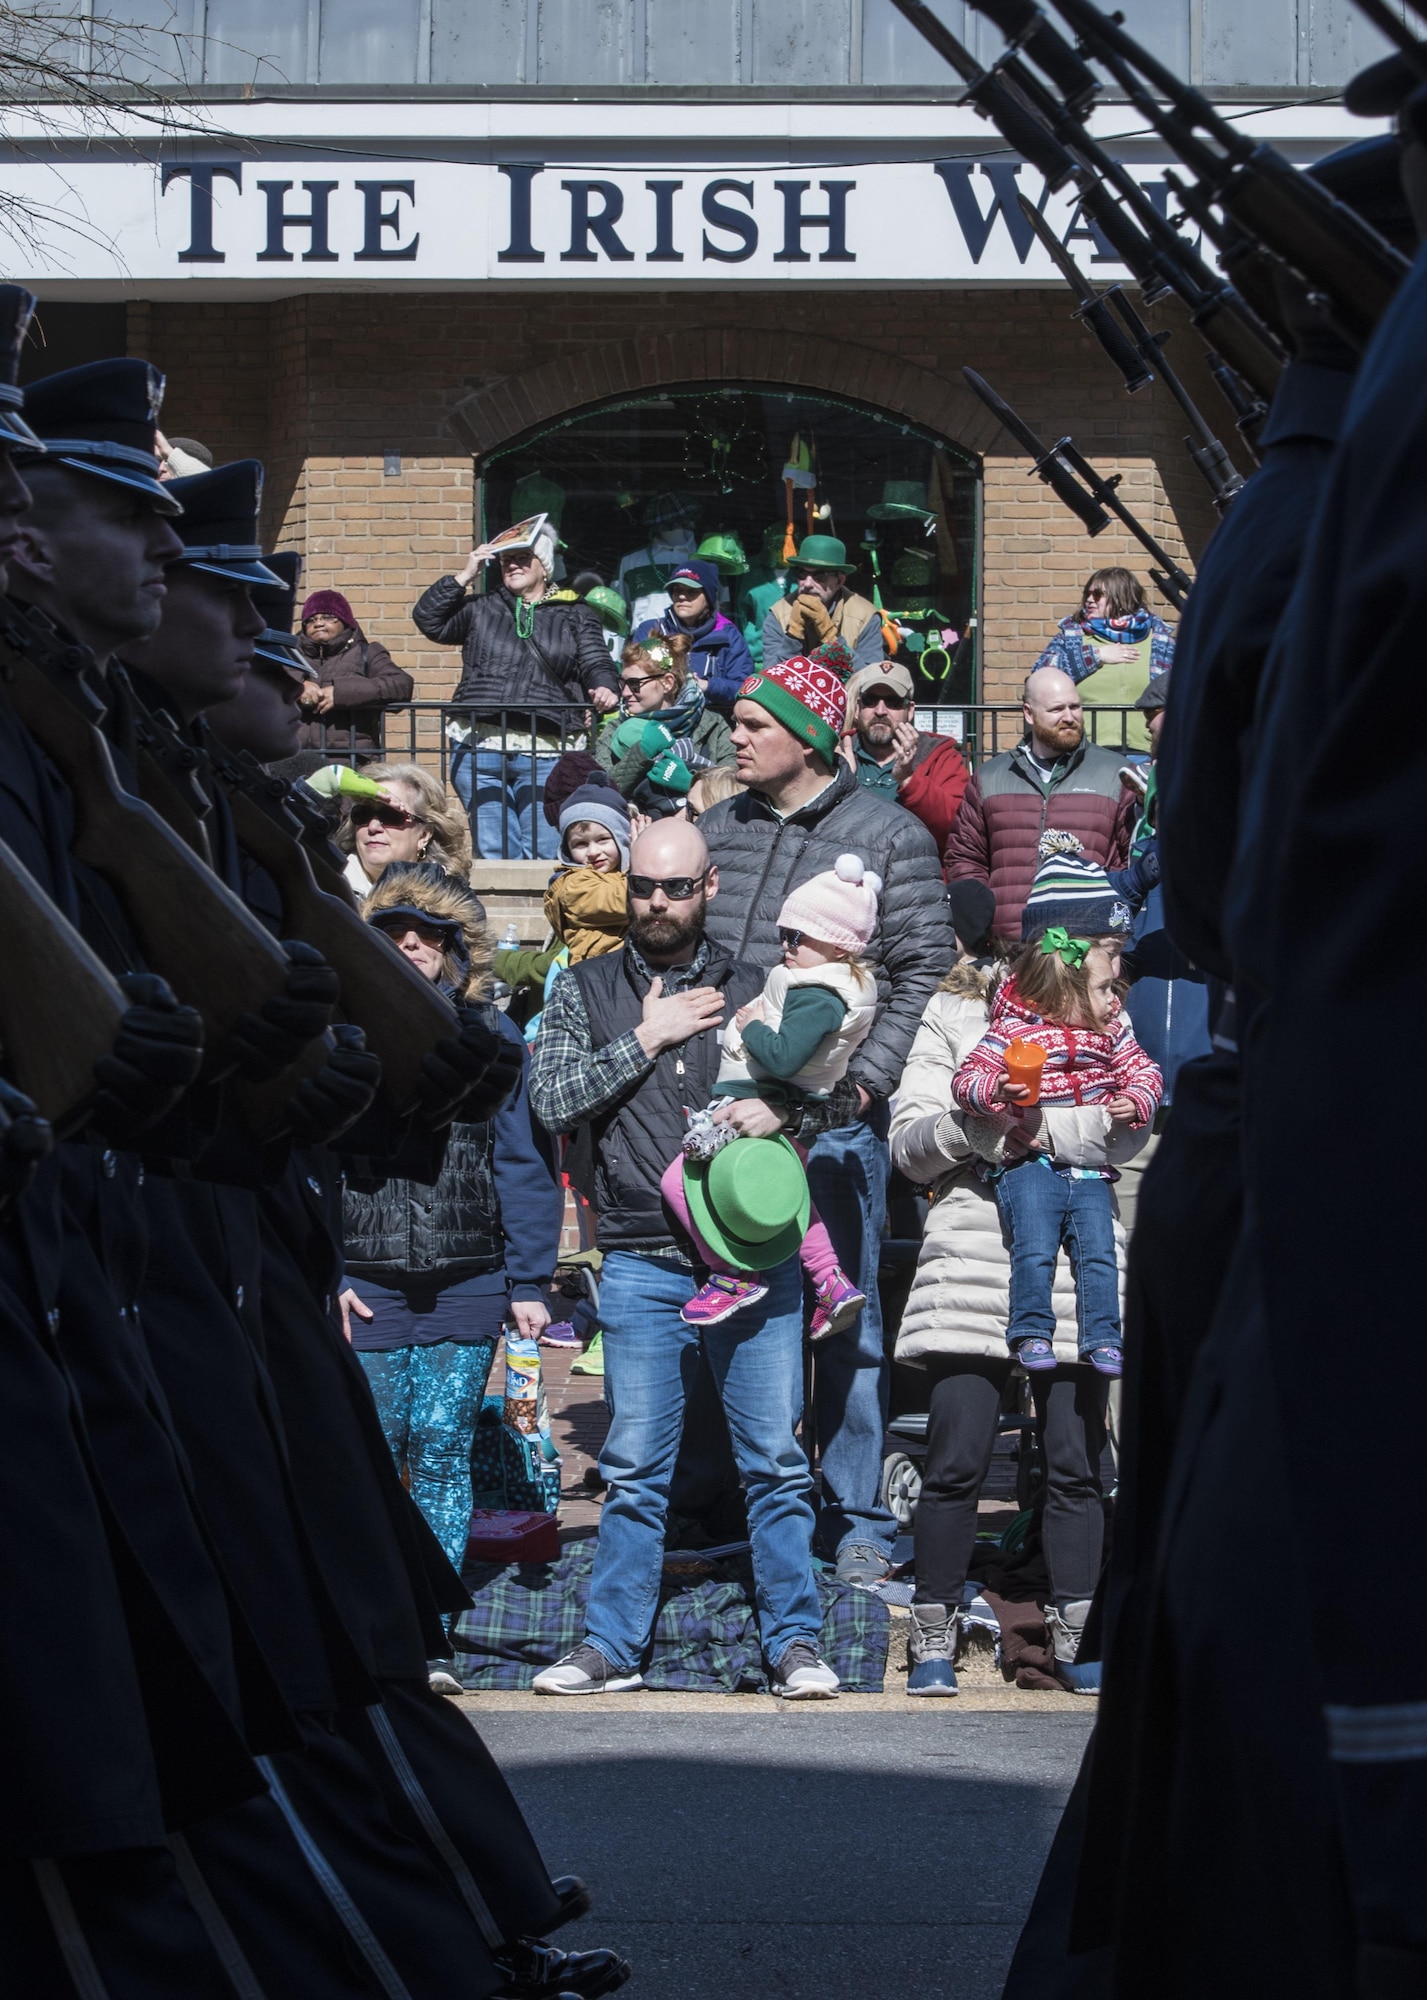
x: 1112, y: 646
x: 664, y: 736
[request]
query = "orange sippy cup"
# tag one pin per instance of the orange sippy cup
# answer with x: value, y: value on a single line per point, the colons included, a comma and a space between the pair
x: 1024, y: 1063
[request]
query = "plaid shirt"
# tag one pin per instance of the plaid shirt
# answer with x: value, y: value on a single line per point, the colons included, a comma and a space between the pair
x: 571, y: 1080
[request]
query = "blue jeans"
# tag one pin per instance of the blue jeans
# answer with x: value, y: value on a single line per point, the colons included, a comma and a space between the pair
x: 847, y: 1172
x: 506, y: 820
x: 1041, y: 1209
x: 429, y: 1398
x: 650, y: 1358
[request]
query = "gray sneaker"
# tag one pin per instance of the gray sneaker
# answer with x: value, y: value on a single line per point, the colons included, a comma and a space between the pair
x: 585, y: 1671
x: 802, y: 1676
x: 441, y: 1678
x: 862, y: 1563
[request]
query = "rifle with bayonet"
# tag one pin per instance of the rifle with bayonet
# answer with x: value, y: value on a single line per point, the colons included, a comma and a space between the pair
x: 1051, y: 135
x: 189, y: 926
x: 1327, y: 243
x: 1089, y: 495
x: 401, y: 1014
x: 1138, y: 353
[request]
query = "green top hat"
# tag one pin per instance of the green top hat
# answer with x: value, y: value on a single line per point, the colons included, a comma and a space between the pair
x: 750, y: 1202
x: 823, y: 552
x: 726, y: 551
x: 610, y: 608
x: 902, y: 499
x: 913, y: 568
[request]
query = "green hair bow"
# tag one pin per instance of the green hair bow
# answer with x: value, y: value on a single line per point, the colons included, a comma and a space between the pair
x: 1071, y: 951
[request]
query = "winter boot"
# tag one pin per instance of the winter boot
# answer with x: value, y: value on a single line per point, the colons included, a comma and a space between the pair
x: 931, y: 1648
x: 1067, y: 1626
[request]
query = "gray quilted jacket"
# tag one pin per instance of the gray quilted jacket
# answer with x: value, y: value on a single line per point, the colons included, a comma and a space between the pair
x: 761, y: 859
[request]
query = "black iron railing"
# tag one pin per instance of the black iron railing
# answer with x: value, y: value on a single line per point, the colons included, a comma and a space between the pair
x: 496, y: 760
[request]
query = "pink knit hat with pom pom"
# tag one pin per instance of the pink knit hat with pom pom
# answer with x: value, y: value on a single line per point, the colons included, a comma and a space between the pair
x: 839, y: 907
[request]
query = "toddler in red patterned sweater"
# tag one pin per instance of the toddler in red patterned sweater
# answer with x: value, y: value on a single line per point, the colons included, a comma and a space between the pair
x: 1060, y: 994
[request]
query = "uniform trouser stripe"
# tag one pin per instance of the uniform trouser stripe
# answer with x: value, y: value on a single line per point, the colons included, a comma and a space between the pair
x: 69, y: 1935
x: 351, y: 1918
x: 241, y: 1976
x: 434, y: 1830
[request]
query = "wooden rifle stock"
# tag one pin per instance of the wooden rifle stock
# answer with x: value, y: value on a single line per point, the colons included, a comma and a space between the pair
x: 60, y: 1007
x: 402, y: 1015
x: 190, y: 927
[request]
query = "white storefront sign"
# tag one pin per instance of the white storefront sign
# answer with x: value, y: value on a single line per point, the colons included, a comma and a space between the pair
x: 296, y: 224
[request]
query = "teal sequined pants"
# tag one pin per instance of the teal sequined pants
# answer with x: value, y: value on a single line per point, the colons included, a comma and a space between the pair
x: 429, y: 1398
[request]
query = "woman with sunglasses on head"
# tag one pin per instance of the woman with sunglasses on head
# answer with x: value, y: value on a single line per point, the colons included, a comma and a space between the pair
x: 412, y: 820
x: 666, y: 734
x: 433, y: 1273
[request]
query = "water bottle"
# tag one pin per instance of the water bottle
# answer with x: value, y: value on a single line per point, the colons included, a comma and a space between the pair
x: 510, y: 940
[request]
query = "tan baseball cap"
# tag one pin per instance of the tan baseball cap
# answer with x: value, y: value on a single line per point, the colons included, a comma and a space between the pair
x: 888, y: 674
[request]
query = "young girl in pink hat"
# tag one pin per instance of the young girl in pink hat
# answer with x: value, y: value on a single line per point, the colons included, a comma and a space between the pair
x: 795, y: 1040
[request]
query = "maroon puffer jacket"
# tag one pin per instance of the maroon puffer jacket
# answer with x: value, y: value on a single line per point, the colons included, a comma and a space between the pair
x: 1007, y: 808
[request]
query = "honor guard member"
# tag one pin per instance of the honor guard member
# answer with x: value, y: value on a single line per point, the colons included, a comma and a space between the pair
x: 371, y: 1729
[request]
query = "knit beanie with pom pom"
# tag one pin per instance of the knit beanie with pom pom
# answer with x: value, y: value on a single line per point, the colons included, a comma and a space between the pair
x: 839, y: 907
x: 1073, y: 891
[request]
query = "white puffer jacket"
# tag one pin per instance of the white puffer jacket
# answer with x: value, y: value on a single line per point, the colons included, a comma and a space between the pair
x: 855, y: 988
x: 961, y: 1295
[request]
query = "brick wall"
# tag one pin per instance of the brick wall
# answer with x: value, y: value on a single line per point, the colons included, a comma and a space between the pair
x: 323, y: 386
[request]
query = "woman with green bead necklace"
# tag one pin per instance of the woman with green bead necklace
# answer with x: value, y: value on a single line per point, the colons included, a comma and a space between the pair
x: 532, y: 662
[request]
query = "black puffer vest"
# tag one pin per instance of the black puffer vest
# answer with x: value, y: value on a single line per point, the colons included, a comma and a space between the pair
x: 637, y: 1136
x: 452, y: 1228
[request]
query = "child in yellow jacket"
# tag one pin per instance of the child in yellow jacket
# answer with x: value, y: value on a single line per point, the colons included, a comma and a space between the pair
x: 586, y: 905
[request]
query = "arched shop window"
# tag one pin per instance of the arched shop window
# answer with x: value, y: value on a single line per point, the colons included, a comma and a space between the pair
x: 638, y: 485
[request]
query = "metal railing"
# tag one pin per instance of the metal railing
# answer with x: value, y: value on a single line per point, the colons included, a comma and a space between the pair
x: 496, y: 760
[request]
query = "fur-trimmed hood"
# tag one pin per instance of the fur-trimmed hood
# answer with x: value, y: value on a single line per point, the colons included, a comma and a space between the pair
x: 444, y: 897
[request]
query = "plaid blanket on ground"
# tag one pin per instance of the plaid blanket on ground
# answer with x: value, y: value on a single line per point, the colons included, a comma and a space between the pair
x: 705, y: 1632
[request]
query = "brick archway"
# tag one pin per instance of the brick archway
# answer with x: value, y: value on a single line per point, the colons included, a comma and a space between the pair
x: 497, y: 412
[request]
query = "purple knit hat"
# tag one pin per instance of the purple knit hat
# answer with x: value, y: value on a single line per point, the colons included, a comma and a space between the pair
x: 328, y: 604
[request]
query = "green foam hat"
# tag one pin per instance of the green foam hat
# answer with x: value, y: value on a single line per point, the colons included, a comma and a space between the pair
x: 750, y: 1202
x: 912, y: 569
x: 823, y: 552
x: 726, y: 552
x: 902, y: 500
x: 610, y: 608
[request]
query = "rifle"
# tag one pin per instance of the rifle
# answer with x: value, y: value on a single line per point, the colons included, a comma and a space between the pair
x: 1294, y: 216
x: 1051, y: 135
x: 402, y: 1014
x: 1086, y: 492
x: 1138, y: 357
x: 189, y: 925
x: 60, y: 1007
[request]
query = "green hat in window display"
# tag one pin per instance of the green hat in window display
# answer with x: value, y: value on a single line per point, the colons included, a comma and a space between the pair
x: 535, y: 494
x: 750, y: 1202
x: 902, y: 500
x: 726, y: 551
x: 610, y: 608
x: 913, y: 569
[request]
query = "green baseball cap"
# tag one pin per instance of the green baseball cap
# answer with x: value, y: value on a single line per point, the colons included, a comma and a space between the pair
x: 823, y: 552
x: 750, y: 1202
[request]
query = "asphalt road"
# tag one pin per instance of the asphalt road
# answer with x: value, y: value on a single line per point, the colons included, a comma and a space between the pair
x: 803, y: 1853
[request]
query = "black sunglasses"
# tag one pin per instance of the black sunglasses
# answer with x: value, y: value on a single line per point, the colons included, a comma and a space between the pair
x: 677, y: 888
x: 632, y: 683
x: 790, y: 940
x: 389, y: 815
x: 885, y: 701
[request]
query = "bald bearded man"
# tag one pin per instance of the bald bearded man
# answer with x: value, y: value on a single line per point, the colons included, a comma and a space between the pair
x: 626, y: 1043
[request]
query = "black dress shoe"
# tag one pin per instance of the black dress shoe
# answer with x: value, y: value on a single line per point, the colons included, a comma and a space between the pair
x: 539, y: 1971
x: 575, y: 1901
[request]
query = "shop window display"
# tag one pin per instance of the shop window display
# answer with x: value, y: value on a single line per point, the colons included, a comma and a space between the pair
x: 738, y: 477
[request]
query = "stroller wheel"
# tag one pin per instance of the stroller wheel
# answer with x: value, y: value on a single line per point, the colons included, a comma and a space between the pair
x: 901, y: 1487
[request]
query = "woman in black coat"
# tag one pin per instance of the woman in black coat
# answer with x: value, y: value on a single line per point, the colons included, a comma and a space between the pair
x: 526, y: 651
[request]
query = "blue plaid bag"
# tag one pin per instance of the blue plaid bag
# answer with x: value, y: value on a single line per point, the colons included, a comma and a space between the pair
x: 510, y: 1470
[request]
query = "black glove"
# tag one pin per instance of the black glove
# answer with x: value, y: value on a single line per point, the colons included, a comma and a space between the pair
x: 469, y: 1075
x: 25, y: 1138
x: 327, y: 1103
x: 157, y: 1054
x: 268, y: 1042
